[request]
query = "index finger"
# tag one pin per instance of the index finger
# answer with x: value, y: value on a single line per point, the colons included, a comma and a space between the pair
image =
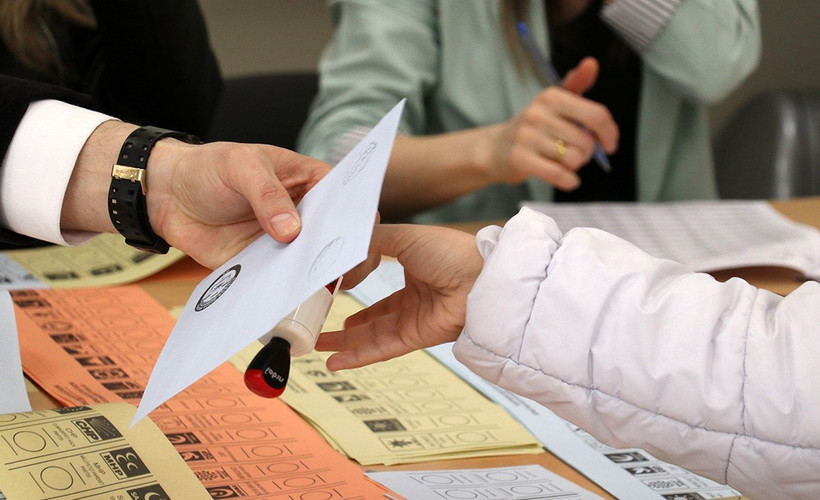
x: 593, y: 116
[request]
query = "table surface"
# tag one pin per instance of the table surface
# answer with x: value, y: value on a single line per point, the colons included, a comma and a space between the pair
x: 173, y: 286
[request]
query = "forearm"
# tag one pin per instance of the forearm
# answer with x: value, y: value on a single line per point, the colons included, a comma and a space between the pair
x: 85, y: 206
x: 427, y: 171
x: 38, y: 167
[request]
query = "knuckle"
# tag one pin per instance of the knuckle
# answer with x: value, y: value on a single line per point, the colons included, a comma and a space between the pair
x: 245, y: 156
x: 518, y: 155
x: 271, y: 192
x: 553, y: 176
x: 530, y: 117
x: 575, y: 160
x: 550, y: 95
x: 586, y: 144
x: 600, y: 115
x: 522, y: 136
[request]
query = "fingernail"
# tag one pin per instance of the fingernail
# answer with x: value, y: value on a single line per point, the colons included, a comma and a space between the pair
x: 284, y: 224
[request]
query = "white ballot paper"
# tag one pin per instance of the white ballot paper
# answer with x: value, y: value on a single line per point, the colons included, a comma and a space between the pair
x: 13, y: 395
x: 701, y: 235
x: 248, y: 295
x: 625, y: 473
x: 523, y: 482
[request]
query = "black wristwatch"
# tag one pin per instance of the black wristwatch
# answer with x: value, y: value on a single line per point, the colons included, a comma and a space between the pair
x: 126, y: 195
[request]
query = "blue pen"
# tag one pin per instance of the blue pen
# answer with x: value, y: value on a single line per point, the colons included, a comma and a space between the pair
x: 552, y: 76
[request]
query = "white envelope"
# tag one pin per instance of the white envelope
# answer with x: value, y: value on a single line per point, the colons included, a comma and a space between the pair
x: 244, y: 298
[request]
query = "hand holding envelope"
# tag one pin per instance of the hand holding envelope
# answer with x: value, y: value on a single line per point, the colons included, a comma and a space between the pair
x: 246, y: 296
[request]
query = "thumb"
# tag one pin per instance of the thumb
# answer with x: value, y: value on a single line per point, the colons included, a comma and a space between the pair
x: 582, y: 77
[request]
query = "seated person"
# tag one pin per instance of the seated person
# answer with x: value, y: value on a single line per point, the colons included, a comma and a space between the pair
x: 481, y: 133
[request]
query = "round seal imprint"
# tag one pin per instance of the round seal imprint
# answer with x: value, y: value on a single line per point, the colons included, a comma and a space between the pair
x: 217, y: 288
x: 358, y: 165
x: 327, y: 256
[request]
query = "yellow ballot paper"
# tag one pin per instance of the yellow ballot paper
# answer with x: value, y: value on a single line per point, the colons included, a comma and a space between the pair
x: 103, y: 261
x: 409, y: 409
x: 406, y: 410
x: 88, y: 452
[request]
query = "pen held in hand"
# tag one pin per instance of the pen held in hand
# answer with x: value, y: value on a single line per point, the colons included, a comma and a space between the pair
x: 551, y: 75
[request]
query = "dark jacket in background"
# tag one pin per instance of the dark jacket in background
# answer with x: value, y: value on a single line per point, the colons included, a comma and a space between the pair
x: 148, y: 62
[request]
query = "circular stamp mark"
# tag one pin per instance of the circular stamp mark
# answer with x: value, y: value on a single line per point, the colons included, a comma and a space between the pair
x: 326, y: 257
x: 361, y: 161
x: 217, y: 288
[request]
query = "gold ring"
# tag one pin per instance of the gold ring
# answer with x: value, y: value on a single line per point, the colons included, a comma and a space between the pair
x: 560, y: 149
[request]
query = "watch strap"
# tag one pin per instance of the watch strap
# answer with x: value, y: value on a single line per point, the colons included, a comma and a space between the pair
x: 126, y: 194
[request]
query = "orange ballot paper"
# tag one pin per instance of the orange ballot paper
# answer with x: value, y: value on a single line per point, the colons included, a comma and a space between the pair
x: 90, y: 345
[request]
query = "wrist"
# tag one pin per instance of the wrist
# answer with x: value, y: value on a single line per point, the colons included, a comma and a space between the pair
x: 85, y: 204
x: 162, y: 168
x: 129, y: 189
x: 486, y: 153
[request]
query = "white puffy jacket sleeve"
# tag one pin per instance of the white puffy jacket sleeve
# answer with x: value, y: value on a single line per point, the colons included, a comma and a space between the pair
x: 721, y: 378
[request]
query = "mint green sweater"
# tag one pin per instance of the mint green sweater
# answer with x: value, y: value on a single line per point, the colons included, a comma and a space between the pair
x: 450, y: 59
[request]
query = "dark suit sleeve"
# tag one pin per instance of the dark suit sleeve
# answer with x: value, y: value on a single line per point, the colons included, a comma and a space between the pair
x: 158, y: 67
x: 15, y: 96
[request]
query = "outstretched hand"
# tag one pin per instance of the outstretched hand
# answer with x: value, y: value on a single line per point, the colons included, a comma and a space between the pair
x: 213, y: 200
x: 440, y: 267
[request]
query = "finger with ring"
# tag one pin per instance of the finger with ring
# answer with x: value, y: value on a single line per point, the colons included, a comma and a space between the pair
x: 560, y: 149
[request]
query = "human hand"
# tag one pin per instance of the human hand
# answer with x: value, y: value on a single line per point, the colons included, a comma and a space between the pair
x: 440, y: 267
x: 555, y: 134
x: 212, y: 200
x: 364, y: 268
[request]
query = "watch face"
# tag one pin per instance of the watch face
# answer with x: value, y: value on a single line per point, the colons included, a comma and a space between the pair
x: 217, y: 288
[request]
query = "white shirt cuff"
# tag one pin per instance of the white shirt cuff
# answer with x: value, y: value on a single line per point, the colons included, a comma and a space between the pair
x: 38, y: 165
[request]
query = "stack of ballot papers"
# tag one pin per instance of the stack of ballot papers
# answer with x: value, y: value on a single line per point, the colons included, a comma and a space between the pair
x: 92, y: 345
x: 702, y: 235
x: 409, y: 409
x: 90, y: 452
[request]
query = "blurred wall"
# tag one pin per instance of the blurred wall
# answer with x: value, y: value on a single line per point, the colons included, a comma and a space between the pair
x: 257, y: 36
x: 791, y: 42
x: 253, y: 36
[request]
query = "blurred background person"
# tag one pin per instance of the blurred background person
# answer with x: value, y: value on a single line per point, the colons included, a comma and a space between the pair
x: 481, y: 131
